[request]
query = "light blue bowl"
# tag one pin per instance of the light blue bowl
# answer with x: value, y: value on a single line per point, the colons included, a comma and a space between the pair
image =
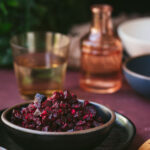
x: 137, y: 73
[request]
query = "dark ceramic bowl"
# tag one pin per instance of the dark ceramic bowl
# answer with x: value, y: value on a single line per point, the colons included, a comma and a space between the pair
x: 137, y: 73
x: 77, y: 140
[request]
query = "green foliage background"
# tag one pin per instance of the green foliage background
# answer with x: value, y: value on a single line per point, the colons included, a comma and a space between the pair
x: 17, y: 16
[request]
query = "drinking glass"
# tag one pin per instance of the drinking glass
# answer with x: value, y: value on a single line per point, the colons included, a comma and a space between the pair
x: 40, y: 62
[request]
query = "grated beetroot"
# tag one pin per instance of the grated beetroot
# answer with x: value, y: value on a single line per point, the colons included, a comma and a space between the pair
x: 59, y: 113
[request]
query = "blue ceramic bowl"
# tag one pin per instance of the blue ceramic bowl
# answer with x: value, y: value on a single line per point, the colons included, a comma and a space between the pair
x: 137, y: 73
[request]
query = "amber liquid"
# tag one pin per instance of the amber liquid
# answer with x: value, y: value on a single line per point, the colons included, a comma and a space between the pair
x: 101, y: 70
x: 39, y: 72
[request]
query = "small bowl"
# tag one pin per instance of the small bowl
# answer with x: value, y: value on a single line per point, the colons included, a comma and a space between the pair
x: 137, y: 73
x: 81, y: 140
x: 135, y: 35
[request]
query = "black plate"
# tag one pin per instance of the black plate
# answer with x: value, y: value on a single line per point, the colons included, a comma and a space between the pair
x: 119, y: 139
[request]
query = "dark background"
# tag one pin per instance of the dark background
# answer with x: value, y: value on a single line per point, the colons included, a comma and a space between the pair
x: 127, y: 6
x: 17, y: 16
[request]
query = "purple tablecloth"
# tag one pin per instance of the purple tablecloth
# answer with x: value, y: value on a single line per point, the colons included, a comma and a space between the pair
x: 125, y: 101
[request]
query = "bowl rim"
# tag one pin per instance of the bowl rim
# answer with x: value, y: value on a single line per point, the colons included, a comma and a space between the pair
x: 129, y: 71
x: 22, y: 129
x: 129, y: 37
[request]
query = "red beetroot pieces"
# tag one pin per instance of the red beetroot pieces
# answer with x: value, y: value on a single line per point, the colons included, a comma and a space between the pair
x: 61, y: 112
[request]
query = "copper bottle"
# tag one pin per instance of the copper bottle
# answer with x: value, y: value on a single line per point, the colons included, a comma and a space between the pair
x: 101, y: 54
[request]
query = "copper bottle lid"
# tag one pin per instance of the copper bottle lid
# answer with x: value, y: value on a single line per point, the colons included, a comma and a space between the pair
x: 96, y: 8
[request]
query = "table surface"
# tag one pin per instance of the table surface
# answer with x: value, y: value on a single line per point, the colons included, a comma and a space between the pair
x: 125, y: 101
